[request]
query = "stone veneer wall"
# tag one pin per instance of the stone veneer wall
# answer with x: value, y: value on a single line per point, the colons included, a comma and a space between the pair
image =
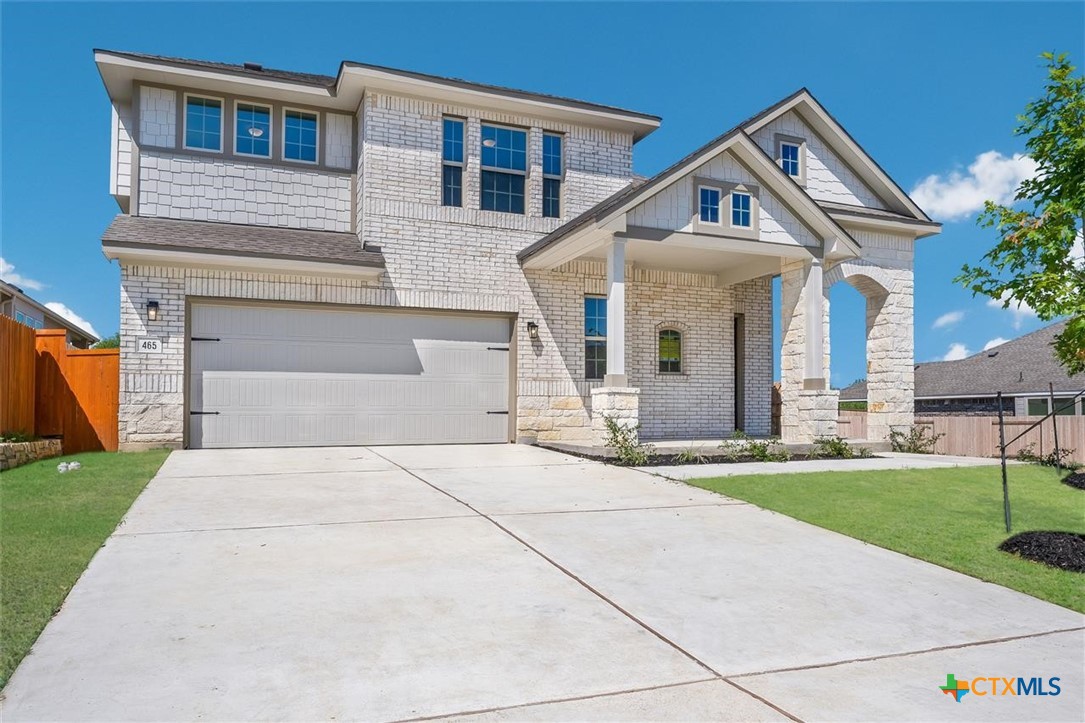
x: 16, y: 454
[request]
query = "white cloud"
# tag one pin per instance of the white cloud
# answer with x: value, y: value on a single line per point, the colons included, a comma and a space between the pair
x: 991, y: 177
x: 994, y: 342
x: 956, y: 351
x: 948, y: 319
x: 61, y: 310
x: 8, y: 274
x: 1019, y: 309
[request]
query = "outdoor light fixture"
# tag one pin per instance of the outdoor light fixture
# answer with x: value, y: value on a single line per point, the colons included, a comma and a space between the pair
x: 152, y: 311
x: 532, y: 331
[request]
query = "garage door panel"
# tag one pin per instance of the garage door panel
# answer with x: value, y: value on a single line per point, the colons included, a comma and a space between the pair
x: 274, y: 380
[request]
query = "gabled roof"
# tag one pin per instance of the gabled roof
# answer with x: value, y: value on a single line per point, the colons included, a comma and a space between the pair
x: 636, y: 193
x: 843, y: 144
x: 1021, y: 366
x: 56, y: 321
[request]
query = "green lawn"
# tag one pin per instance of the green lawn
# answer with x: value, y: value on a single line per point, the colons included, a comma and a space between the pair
x: 951, y: 517
x: 51, y: 524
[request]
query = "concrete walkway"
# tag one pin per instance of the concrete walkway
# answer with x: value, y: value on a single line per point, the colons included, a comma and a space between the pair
x: 884, y: 460
x: 513, y: 583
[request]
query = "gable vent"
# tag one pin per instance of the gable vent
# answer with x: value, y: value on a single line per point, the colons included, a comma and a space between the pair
x: 253, y: 66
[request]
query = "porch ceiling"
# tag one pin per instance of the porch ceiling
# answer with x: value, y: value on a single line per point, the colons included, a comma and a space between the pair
x: 732, y: 266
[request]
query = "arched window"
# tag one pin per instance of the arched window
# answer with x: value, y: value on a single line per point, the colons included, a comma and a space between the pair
x: 670, y: 351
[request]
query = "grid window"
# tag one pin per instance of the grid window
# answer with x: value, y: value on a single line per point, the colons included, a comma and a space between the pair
x: 740, y: 210
x: 452, y: 162
x: 710, y: 205
x: 595, y: 337
x: 670, y: 351
x: 789, y: 159
x: 504, y: 168
x: 299, y: 136
x: 203, y: 123
x: 553, y: 167
x: 252, y: 136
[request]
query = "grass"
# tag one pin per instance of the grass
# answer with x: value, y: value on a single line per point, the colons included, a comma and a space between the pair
x: 51, y: 524
x: 951, y: 517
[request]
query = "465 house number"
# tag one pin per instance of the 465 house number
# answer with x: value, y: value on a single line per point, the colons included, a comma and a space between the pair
x: 149, y: 344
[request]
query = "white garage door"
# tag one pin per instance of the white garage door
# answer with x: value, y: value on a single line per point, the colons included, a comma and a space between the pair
x: 279, y: 376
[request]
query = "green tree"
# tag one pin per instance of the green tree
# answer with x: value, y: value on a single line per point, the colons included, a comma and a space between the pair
x: 1034, y: 261
x: 110, y: 342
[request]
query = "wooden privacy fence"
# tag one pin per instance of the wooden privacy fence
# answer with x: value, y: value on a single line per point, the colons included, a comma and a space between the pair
x: 978, y: 436
x: 73, y: 393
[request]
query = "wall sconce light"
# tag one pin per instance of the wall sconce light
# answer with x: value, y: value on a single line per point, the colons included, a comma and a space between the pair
x: 152, y: 311
x: 532, y: 331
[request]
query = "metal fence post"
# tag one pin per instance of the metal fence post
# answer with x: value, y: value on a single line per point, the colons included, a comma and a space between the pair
x: 1002, y: 451
x: 1055, y: 425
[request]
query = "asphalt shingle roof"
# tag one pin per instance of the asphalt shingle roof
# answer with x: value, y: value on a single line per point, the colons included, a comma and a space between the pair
x: 1022, y: 365
x: 226, y: 238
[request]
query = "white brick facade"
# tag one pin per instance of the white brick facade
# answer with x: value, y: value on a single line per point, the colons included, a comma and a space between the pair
x: 195, y: 188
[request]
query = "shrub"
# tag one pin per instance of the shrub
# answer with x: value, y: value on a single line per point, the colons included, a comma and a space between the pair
x: 1054, y: 458
x: 832, y: 448
x: 691, y: 455
x: 628, y: 449
x: 917, y: 440
x: 769, y: 450
x: 16, y: 437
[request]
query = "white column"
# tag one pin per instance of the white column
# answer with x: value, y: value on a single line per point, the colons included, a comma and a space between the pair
x: 814, y: 322
x: 616, y: 376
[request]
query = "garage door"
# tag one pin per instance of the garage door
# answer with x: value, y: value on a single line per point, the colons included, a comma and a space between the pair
x: 278, y: 376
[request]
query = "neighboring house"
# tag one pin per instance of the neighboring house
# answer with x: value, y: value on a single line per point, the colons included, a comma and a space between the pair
x: 16, y: 304
x: 384, y: 256
x: 1021, y: 369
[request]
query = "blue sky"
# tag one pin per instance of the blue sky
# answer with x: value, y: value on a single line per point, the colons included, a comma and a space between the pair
x: 927, y: 88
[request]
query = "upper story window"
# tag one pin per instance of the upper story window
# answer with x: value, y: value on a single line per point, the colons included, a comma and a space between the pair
x: 741, y: 215
x: 791, y: 156
x: 553, y: 167
x: 504, y: 169
x: 28, y: 320
x: 452, y: 162
x: 670, y: 351
x: 595, y: 337
x: 709, y: 201
x: 203, y: 123
x: 300, y: 135
x: 252, y: 135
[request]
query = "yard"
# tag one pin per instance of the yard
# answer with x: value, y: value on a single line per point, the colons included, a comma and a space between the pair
x: 51, y: 526
x: 951, y: 517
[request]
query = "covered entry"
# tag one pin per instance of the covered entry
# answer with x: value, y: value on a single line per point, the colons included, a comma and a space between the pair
x: 290, y: 375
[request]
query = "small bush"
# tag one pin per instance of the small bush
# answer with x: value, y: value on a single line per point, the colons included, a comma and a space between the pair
x: 628, y: 449
x: 832, y: 448
x: 767, y: 450
x: 1054, y: 458
x: 917, y: 440
x: 691, y: 455
x: 16, y: 437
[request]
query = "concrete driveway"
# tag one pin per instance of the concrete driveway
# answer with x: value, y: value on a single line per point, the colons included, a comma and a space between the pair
x: 513, y: 583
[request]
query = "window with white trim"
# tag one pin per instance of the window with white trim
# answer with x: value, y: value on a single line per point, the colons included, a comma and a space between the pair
x: 504, y: 169
x: 553, y: 168
x: 300, y: 135
x: 595, y: 337
x: 452, y: 162
x: 252, y: 130
x: 709, y: 202
x: 789, y: 158
x: 741, y: 209
x: 203, y: 123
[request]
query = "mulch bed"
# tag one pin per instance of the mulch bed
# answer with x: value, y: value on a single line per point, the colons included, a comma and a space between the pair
x: 1076, y: 480
x: 709, y: 456
x: 1064, y: 550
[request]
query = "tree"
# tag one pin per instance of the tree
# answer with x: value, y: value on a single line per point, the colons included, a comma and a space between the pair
x: 1037, y: 260
x: 110, y: 342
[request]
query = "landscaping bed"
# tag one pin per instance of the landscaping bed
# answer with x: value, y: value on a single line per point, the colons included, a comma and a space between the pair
x: 53, y: 524
x: 668, y: 459
x: 1064, y: 550
x: 1075, y: 480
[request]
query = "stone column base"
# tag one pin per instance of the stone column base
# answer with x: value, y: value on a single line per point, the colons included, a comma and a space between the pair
x: 622, y: 404
x: 815, y: 415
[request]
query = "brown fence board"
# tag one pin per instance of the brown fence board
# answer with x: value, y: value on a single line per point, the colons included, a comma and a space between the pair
x: 77, y: 394
x: 17, y: 376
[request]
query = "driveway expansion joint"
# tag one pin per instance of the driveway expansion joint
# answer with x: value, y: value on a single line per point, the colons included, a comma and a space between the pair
x: 119, y: 533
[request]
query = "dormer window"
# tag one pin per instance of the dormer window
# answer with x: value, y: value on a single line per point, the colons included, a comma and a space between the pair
x: 791, y: 157
x: 203, y: 123
x: 709, y: 201
x: 741, y: 205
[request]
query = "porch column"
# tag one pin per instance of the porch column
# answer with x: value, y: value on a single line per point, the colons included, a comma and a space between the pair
x: 616, y: 376
x: 615, y: 400
x: 808, y: 406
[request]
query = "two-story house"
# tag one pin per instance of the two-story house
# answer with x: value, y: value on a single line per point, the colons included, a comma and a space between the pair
x: 16, y: 304
x: 384, y: 256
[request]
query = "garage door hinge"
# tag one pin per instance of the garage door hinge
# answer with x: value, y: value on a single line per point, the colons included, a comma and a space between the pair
x: 497, y: 348
x: 205, y: 338
x: 497, y: 412
x: 203, y: 412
